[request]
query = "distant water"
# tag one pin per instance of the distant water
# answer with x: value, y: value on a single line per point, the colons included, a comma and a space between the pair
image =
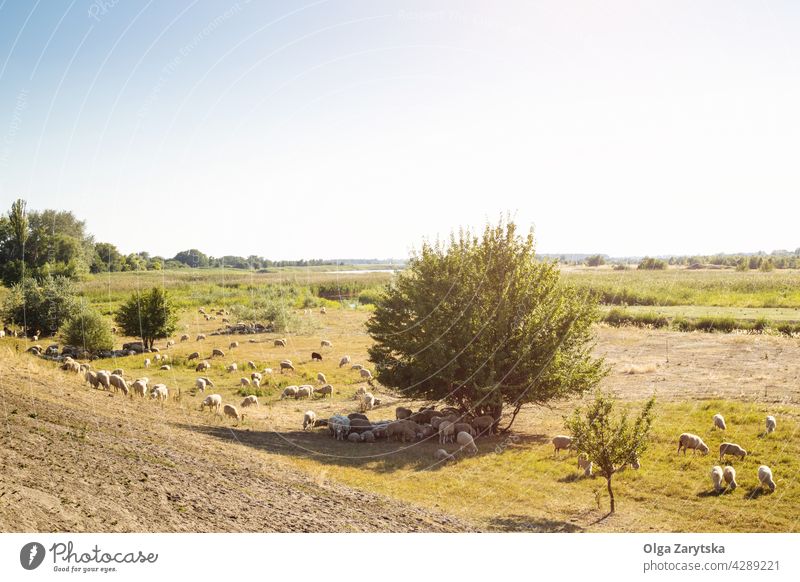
x: 363, y: 271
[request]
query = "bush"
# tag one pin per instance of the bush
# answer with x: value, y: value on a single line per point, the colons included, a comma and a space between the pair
x: 148, y: 315
x: 651, y: 264
x: 619, y: 317
x: 41, y: 307
x: 89, y: 330
x: 595, y: 261
x: 370, y: 296
x: 723, y: 324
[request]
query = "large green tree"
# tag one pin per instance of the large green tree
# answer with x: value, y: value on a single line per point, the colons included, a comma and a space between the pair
x: 482, y: 324
x: 148, y: 315
x: 41, y: 306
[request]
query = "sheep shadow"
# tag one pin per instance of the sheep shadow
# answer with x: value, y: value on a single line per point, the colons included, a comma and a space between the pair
x: 756, y: 492
x: 711, y: 493
x: 524, y: 523
x: 575, y: 477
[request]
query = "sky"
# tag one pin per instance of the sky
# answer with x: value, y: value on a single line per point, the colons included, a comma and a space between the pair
x: 331, y: 129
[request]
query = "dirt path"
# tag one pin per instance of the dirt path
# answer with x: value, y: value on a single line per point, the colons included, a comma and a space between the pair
x: 69, y: 461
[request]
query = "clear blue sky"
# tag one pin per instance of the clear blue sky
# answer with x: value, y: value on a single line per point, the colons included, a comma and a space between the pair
x: 354, y: 129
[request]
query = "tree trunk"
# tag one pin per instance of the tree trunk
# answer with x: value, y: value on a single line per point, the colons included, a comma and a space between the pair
x: 517, y: 408
x: 610, y: 494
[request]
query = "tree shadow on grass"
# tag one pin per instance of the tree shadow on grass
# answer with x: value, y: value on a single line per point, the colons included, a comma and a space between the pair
x: 525, y: 523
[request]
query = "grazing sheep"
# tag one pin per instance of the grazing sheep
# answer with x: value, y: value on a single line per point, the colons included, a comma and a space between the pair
x: 286, y: 365
x: 289, y: 391
x: 446, y: 431
x: 344, y: 361
x: 257, y: 383
x: 585, y: 464
x: 213, y: 401
x: 232, y: 367
x: 717, y: 478
x: 200, y: 384
x: 72, y: 366
x: 118, y: 372
x: 367, y: 436
x: 104, y: 378
x: 367, y: 401
x: 354, y: 437
x: 729, y: 473
x: 356, y: 367
x: 339, y: 426
x: 309, y: 418
x: 483, y: 424
x: 267, y: 371
x: 230, y: 410
x: 207, y: 380
x: 202, y: 366
x: 691, y: 441
x: 200, y: 337
x: 244, y: 382
x: 323, y: 311
x: 119, y: 383
x: 193, y: 356
x: 251, y: 365
x: 233, y: 345
x: 185, y: 337
x: 771, y: 424
x: 249, y: 401
x: 217, y: 352
x: 325, y: 344
x: 719, y: 422
x: 400, y: 413
x: 170, y: 343
x: 139, y: 387
x: 360, y: 391
x: 159, y: 392
x: 321, y: 378
x: 157, y: 357
x: 165, y: 367
x: 304, y: 391
x: 366, y: 374
x: 316, y: 357
x: 561, y: 442
x: 326, y: 390
x: 765, y: 477
x: 256, y: 376
x: 442, y: 456
x: 280, y: 343
x: 147, y: 362
x: 731, y: 449
x: 91, y: 378
x: 465, y: 440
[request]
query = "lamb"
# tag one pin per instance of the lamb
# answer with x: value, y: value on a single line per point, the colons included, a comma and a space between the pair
x: 731, y: 449
x: 441, y: 455
x: 286, y: 365
x: 585, y: 464
x: 316, y: 357
x: 193, y: 356
x: 326, y: 390
x: 280, y: 343
x: 446, y: 431
x: 765, y: 477
x: 289, y: 391
x: 233, y: 345
x: 717, y: 478
x: 344, y: 361
x: 483, y: 424
x: 249, y: 401
x: 691, y: 441
x: 202, y: 366
x: 200, y: 337
x: 339, y: 426
x: 321, y: 378
x: 185, y: 337
x: 400, y: 412
x: 244, y: 382
x: 118, y: 382
x: 309, y: 418
x: 719, y: 422
x: 466, y: 441
x: 304, y: 391
x: 230, y: 410
x: 147, y: 362
x: 139, y: 387
x: 232, y: 367
x: 561, y: 442
x: 729, y: 473
x: 159, y: 392
x: 325, y: 344
x: 213, y: 401
x: 771, y: 424
x: 217, y: 352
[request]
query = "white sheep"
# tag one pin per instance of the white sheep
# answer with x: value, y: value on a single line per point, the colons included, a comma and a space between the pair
x: 729, y: 473
x: 717, y: 478
x: 147, y: 362
x: 91, y: 378
x: 104, y: 379
x: 213, y: 401
x: 304, y: 391
x: 771, y: 424
x: 233, y: 345
x: 585, y: 464
x: 267, y: 371
x: 691, y: 441
x: 765, y: 477
x: 280, y: 343
x: 289, y: 391
x: 159, y: 392
x: 200, y: 337
x: 344, y: 361
x: 367, y: 401
x: 321, y: 378
x: 251, y: 364
x: 325, y: 344
x: 446, y: 431
x: 256, y: 376
x: 339, y: 426
x: 230, y: 410
x: 366, y: 374
x: 139, y: 387
x: 356, y: 367
x: 170, y: 343
x: 731, y: 449
x: 249, y: 401
x: 185, y: 337
x: 286, y: 365
x: 719, y: 422
x: 326, y: 390
x: 165, y: 367
x: 118, y: 382
x: 244, y: 381
x: 465, y: 440
x: 561, y: 442
x: 309, y: 418
x: 442, y: 455
x: 200, y: 384
x: 117, y: 371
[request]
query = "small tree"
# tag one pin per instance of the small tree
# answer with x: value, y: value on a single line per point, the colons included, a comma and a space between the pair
x: 89, y: 330
x: 595, y: 261
x: 150, y: 316
x: 610, y: 443
x: 41, y: 307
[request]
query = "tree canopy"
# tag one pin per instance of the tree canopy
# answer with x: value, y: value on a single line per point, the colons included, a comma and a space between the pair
x: 148, y: 315
x: 481, y: 324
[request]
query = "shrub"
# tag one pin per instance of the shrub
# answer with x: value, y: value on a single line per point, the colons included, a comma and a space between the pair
x: 89, y: 330
x: 595, y: 261
x: 41, y: 307
x: 619, y: 317
x: 652, y: 264
x: 148, y: 315
x: 370, y: 296
x: 723, y: 324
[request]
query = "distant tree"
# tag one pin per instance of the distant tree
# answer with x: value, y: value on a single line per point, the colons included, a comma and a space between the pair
x: 89, y: 330
x: 608, y: 442
x: 595, y: 261
x: 743, y: 265
x: 192, y: 258
x: 649, y: 263
x: 767, y: 265
x: 481, y: 324
x: 107, y: 258
x: 41, y: 306
x: 148, y: 315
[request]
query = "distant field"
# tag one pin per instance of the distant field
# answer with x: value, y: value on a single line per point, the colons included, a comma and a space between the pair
x: 778, y: 314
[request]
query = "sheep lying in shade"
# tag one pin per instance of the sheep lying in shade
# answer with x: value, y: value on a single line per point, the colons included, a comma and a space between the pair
x: 230, y: 410
x: 719, y: 422
x: 729, y: 473
x: 249, y: 401
x: 717, y: 478
x: 442, y: 456
x: 344, y: 361
x: 466, y: 442
x: 585, y: 464
x: 212, y: 401
x: 765, y: 477
x: 309, y: 418
x: 731, y: 449
x: 561, y: 442
x: 354, y: 437
x: 771, y: 424
x: 691, y: 441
